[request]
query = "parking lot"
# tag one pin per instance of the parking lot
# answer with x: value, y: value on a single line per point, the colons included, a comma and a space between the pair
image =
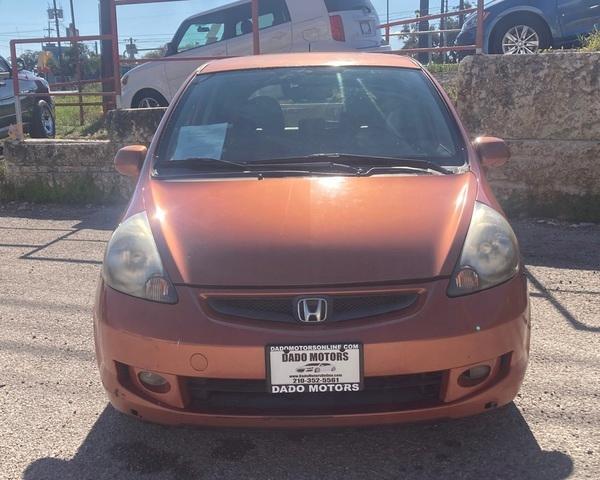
x: 56, y: 422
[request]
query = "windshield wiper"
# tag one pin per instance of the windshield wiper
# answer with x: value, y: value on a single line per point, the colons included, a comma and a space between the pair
x: 383, y: 161
x: 216, y: 165
x: 202, y: 163
x: 360, y: 165
x: 363, y: 164
x: 300, y: 162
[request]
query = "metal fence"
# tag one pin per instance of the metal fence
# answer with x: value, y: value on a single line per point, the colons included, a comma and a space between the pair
x: 425, y: 19
x: 112, y: 61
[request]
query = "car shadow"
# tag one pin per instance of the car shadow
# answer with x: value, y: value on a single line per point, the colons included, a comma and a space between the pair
x: 68, y: 225
x: 84, y: 217
x: 498, y: 444
x: 555, y: 245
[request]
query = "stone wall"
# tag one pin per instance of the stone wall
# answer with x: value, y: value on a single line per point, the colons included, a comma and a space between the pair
x: 133, y: 127
x: 64, y: 169
x: 547, y: 107
x: 449, y: 81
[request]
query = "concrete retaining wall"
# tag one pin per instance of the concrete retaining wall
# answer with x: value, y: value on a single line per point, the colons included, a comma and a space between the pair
x: 63, y: 169
x: 548, y: 109
x: 133, y: 127
x: 546, y: 106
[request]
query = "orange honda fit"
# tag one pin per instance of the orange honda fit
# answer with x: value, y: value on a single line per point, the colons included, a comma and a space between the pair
x: 312, y: 242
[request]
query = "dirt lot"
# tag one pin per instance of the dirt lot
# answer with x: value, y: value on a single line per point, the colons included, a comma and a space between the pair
x: 55, y: 422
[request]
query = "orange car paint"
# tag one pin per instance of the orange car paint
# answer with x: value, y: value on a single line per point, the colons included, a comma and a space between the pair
x: 302, y: 236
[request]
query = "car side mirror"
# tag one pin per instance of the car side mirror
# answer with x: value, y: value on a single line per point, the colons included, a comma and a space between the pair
x: 129, y: 160
x: 493, y: 152
x: 170, y: 49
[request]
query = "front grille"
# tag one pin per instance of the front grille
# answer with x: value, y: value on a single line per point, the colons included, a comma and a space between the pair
x: 283, y: 309
x: 251, y: 397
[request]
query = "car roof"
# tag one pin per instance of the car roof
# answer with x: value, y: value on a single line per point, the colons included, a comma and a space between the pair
x: 309, y: 60
x: 216, y: 9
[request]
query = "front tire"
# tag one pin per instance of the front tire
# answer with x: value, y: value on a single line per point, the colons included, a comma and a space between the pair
x: 519, y: 35
x: 148, y: 98
x: 43, y: 124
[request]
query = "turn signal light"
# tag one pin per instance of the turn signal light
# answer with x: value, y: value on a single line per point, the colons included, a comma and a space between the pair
x: 160, y: 289
x: 466, y: 280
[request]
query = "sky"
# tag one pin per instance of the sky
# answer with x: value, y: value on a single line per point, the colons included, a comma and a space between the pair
x: 149, y: 25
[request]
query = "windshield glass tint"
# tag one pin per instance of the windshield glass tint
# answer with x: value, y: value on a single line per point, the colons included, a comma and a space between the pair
x: 258, y: 115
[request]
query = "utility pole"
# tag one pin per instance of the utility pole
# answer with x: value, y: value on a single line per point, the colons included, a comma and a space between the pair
x: 107, y: 66
x: 424, y: 39
x: 388, y: 12
x: 73, y: 28
x: 131, y: 49
x: 443, y: 24
x: 57, y: 14
x: 74, y: 44
x: 461, y: 18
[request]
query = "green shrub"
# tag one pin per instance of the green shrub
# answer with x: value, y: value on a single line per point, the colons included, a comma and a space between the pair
x: 591, y: 43
x: 79, y: 190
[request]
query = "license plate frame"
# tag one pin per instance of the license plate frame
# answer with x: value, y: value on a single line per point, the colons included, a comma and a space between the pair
x: 343, y: 373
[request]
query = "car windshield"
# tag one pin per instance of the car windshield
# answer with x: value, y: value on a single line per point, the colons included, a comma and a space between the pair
x: 256, y: 116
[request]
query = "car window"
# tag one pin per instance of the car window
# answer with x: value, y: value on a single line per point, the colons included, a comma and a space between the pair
x: 256, y: 115
x: 270, y: 13
x: 4, y: 66
x: 202, y: 31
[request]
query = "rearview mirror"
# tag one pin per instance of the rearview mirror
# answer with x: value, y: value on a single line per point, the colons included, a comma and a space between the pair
x: 129, y: 160
x: 493, y: 152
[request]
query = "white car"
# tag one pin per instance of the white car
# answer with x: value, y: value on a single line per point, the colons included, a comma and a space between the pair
x: 285, y: 26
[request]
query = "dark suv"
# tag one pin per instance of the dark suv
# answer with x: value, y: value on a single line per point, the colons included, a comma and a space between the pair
x: 528, y: 26
x: 38, y: 112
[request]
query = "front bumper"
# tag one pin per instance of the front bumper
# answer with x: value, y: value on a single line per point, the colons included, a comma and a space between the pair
x: 184, y: 343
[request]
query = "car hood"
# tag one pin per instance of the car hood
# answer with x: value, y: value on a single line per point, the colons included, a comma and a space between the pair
x: 311, y: 231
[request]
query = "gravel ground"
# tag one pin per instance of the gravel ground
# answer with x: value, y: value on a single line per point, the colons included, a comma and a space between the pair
x: 55, y: 422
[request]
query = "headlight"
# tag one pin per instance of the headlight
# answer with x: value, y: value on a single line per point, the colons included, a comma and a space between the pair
x: 132, y: 264
x: 490, y: 254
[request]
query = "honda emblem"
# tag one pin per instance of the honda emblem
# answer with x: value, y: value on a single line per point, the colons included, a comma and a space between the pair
x: 312, y: 310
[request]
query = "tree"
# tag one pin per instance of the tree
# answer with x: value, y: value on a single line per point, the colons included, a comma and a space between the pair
x: 89, y: 62
x: 29, y: 59
x: 451, y: 23
x: 158, y: 53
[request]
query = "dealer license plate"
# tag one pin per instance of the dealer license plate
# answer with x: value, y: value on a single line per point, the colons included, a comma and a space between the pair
x: 315, y: 368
